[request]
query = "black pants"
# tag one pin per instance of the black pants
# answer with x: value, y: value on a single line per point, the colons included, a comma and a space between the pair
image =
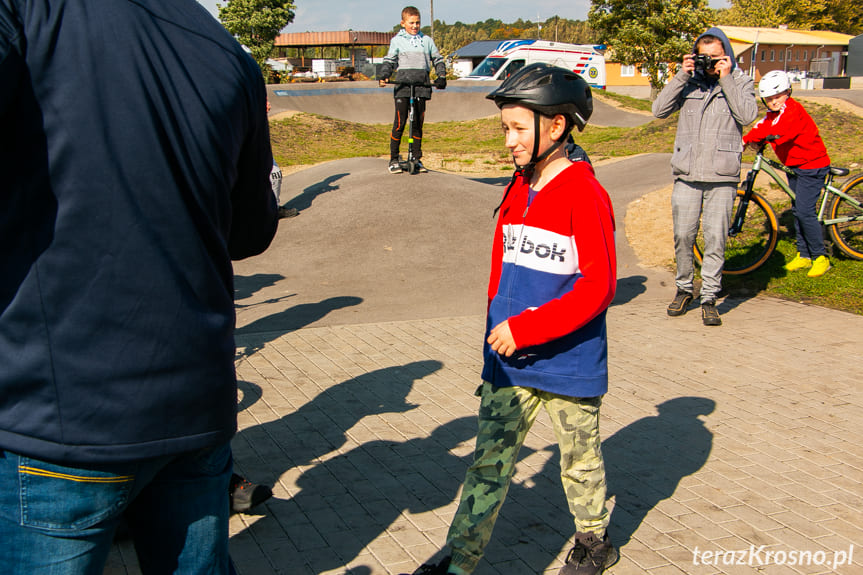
x: 399, y: 122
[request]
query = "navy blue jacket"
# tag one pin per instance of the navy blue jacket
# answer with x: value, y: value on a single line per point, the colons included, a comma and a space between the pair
x: 134, y: 165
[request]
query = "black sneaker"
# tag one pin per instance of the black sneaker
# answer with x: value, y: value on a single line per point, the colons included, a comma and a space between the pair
x: 709, y: 314
x: 679, y: 305
x: 245, y: 494
x: 395, y: 166
x: 430, y: 569
x: 420, y: 168
x: 590, y: 555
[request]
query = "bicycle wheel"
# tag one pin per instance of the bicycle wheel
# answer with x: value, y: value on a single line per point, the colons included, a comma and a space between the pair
x: 754, y: 243
x: 848, y: 235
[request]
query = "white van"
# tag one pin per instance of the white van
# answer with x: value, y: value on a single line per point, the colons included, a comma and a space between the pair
x: 511, y: 55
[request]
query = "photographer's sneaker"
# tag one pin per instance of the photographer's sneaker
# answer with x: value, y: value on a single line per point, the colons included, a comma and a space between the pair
x: 798, y: 263
x: 819, y: 267
x: 709, y: 313
x: 395, y: 166
x: 590, y: 555
x: 680, y: 303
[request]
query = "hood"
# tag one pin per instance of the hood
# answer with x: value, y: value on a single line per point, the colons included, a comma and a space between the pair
x: 413, y: 39
x: 726, y: 43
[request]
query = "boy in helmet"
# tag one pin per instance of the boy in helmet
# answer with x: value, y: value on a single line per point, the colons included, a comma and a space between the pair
x: 798, y: 146
x: 553, y: 275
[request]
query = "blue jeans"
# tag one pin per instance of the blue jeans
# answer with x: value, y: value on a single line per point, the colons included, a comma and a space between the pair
x: 807, y: 185
x: 60, y: 520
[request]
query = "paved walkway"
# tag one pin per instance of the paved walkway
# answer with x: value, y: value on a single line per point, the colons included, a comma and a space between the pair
x: 746, y: 438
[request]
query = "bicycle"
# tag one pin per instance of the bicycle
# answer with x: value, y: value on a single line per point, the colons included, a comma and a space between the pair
x: 754, y: 229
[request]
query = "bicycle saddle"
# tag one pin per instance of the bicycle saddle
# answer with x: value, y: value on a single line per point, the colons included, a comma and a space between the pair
x: 839, y: 171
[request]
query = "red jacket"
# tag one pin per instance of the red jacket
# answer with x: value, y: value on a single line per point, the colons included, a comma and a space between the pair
x: 799, y: 144
x: 553, y: 274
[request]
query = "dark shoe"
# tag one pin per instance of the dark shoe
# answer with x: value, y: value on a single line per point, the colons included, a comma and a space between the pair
x: 245, y: 494
x: 590, y: 556
x: 420, y: 168
x: 288, y: 212
x: 395, y: 166
x: 679, y: 305
x: 709, y: 314
x: 429, y: 569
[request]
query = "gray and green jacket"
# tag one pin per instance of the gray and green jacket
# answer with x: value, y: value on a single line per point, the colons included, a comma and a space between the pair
x: 709, y: 142
x: 413, y: 57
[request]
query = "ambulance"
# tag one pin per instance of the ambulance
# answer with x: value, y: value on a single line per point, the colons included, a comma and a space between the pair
x: 510, y: 55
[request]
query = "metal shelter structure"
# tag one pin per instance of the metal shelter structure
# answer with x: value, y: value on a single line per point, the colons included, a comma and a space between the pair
x: 352, y: 40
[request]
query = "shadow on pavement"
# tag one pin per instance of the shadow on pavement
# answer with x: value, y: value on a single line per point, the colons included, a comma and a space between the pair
x: 355, y: 489
x: 307, y: 196
x: 646, y: 460
x: 252, y: 392
x: 370, y: 486
x: 257, y: 333
x: 629, y: 288
x: 247, y: 286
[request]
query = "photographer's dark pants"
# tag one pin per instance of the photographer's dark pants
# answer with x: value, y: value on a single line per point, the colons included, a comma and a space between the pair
x: 402, y: 105
x: 806, y: 185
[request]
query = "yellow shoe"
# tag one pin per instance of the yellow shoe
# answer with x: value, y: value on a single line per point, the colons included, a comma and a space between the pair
x: 819, y: 267
x: 798, y: 263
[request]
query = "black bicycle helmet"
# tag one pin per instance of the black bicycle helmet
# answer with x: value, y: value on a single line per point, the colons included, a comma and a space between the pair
x: 549, y: 90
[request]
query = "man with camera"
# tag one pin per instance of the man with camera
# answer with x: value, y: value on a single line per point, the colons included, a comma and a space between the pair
x: 715, y: 100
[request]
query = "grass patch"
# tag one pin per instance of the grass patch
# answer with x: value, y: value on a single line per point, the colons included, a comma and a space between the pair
x: 625, y: 102
x: 308, y: 139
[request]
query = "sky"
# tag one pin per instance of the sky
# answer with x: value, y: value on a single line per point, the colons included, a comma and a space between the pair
x: 382, y: 15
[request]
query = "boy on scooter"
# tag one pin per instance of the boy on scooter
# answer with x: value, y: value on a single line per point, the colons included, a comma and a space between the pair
x: 413, y: 54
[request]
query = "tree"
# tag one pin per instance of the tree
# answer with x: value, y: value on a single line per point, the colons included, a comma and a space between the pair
x: 256, y: 23
x: 650, y: 33
x: 842, y: 16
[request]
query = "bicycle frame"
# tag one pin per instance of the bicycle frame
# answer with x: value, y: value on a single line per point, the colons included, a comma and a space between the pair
x: 770, y: 168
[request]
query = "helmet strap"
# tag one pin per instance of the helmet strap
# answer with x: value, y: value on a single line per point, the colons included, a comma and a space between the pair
x: 528, y: 169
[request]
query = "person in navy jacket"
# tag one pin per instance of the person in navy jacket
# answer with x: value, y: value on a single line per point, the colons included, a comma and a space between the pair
x: 135, y: 159
x: 553, y: 275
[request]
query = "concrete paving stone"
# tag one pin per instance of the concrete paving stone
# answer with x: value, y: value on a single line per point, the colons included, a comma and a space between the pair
x: 799, y: 519
x: 652, y: 538
x: 844, y: 528
x: 368, y: 426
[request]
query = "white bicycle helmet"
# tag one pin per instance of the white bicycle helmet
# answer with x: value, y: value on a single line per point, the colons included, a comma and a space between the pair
x: 773, y: 83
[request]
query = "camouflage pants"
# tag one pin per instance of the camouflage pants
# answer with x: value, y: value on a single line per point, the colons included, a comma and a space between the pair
x: 505, y: 416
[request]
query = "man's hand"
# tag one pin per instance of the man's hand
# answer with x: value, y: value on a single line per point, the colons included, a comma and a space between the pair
x: 382, y: 83
x: 723, y: 66
x: 688, y: 63
x: 501, y: 341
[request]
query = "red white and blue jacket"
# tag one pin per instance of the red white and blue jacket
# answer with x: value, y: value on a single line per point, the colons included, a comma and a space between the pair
x: 553, y: 275
x: 799, y: 144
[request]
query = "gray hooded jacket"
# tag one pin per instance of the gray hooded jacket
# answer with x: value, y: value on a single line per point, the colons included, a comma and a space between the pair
x: 709, y: 142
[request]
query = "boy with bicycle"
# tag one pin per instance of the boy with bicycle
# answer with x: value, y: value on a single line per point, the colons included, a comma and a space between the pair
x: 800, y: 147
x: 413, y: 54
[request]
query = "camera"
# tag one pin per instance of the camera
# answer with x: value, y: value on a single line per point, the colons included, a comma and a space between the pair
x: 703, y: 62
